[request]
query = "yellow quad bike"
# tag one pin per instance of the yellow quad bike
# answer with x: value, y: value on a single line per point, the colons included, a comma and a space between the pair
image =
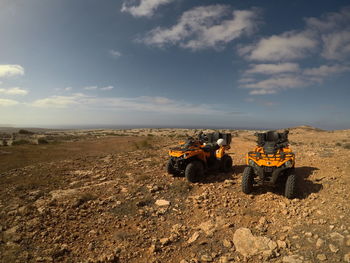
x: 272, y: 159
x: 195, y: 156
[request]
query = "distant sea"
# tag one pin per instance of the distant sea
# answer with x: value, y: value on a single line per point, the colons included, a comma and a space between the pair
x: 126, y: 127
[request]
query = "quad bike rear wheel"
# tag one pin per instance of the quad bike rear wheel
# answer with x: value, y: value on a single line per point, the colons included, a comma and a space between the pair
x: 194, y: 171
x: 248, y: 180
x: 226, y: 163
x: 290, y: 188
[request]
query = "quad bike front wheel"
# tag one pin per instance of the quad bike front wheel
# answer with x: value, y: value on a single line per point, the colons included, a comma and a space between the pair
x: 248, y: 180
x: 290, y: 188
x: 194, y: 171
x: 226, y: 163
x: 170, y: 168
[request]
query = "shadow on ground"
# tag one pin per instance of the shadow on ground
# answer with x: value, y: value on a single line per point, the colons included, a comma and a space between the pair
x: 305, y: 187
x: 217, y: 177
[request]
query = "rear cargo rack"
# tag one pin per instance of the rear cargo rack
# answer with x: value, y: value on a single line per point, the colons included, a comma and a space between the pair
x: 272, y: 157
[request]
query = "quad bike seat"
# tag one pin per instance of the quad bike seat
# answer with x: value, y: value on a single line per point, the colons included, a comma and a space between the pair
x: 270, y: 145
x: 272, y: 136
x: 210, y: 147
x: 215, y: 136
x: 271, y: 141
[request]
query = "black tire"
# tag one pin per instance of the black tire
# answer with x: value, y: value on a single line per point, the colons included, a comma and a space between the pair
x: 248, y: 180
x: 226, y: 163
x: 170, y: 168
x: 194, y: 171
x: 290, y: 190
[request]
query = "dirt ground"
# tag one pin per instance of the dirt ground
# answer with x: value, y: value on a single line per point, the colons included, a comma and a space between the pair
x: 109, y: 199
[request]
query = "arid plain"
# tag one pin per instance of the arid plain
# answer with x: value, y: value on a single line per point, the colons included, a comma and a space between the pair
x: 104, y: 196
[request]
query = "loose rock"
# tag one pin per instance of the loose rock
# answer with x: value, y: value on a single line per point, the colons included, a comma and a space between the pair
x: 162, y: 202
x: 249, y: 245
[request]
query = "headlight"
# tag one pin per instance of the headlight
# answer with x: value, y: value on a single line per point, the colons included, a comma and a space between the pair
x: 251, y: 163
x: 288, y: 164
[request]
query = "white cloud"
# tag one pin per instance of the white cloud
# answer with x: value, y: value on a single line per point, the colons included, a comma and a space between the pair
x: 60, y: 101
x: 11, y: 70
x: 107, y: 88
x: 325, y: 70
x: 7, y: 102
x: 143, y: 103
x: 287, y: 46
x: 262, y: 102
x: 275, y: 84
x: 145, y: 8
x: 13, y: 91
x: 115, y: 53
x: 334, y: 31
x: 273, y: 68
x: 246, y: 80
x: 262, y: 91
x: 91, y: 88
x: 336, y: 45
x: 97, y: 88
x: 331, y: 31
x: 327, y: 37
x: 204, y: 27
x: 330, y: 21
x: 281, y: 81
x: 68, y: 89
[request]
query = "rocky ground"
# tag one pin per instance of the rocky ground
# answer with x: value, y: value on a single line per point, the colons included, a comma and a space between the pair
x: 117, y: 204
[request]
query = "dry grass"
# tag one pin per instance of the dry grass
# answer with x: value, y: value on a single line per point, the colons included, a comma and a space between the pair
x: 20, y: 142
x: 85, y: 197
x: 141, y: 178
x: 131, y: 207
x: 180, y: 188
x: 144, y: 144
x: 25, y: 154
x: 346, y: 146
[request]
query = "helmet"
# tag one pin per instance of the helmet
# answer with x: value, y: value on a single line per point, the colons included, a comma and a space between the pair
x: 221, y: 142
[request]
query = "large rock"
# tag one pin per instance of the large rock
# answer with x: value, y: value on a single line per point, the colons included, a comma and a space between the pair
x: 193, y: 238
x: 319, y: 243
x: 321, y: 257
x: 249, y: 245
x: 347, y: 258
x: 210, y: 226
x: 162, y: 202
x: 11, y: 234
x: 335, y: 236
x: 292, y: 259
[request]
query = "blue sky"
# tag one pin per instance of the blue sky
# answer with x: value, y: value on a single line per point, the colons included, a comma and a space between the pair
x: 253, y: 64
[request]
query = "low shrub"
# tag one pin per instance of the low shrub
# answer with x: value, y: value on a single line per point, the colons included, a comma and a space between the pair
x: 145, y: 144
x: 42, y: 141
x: 346, y: 146
x: 20, y: 142
x: 22, y: 131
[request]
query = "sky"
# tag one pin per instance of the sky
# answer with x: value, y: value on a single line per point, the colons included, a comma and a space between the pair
x: 175, y: 63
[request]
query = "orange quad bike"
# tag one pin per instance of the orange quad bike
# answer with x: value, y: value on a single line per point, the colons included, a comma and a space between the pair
x: 272, y: 160
x: 196, y: 156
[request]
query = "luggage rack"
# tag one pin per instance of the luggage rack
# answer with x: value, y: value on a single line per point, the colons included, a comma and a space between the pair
x: 272, y: 157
